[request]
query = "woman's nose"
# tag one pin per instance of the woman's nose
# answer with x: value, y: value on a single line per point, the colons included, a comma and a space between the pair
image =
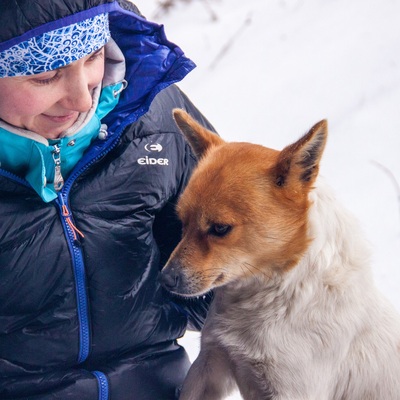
x: 78, y: 94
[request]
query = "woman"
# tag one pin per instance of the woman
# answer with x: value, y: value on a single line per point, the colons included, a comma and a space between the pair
x: 91, y: 166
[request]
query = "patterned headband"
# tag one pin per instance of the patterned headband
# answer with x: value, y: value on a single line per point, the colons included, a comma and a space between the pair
x: 56, y: 48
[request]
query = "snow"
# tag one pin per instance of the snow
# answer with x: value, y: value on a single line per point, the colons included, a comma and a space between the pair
x: 268, y: 70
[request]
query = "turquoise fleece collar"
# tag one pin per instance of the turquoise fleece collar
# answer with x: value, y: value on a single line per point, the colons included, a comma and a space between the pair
x: 37, y: 162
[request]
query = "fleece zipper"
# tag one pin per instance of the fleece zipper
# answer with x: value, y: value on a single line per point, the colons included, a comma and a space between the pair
x: 58, y: 178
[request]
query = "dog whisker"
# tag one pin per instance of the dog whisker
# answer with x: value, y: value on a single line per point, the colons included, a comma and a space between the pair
x: 276, y: 239
x: 252, y: 268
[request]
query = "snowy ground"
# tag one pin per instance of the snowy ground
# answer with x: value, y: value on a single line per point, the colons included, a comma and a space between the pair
x: 268, y: 70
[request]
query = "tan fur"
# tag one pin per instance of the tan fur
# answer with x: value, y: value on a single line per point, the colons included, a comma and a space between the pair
x: 287, y: 290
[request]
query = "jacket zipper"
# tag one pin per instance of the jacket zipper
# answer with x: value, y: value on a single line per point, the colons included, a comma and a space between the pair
x: 72, y: 232
x: 102, y: 385
x: 80, y: 277
x: 15, y: 178
x: 72, y: 235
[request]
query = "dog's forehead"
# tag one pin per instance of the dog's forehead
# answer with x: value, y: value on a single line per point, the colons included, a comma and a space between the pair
x: 237, y: 159
x: 245, y: 151
x: 233, y: 166
x: 228, y: 178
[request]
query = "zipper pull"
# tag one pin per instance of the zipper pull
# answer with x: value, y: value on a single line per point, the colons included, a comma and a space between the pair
x: 58, y: 178
x: 67, y: 215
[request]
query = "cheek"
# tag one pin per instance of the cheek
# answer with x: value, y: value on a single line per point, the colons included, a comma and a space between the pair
x: 96, y: 73
x: 16, y: 107
x: 12, y: 108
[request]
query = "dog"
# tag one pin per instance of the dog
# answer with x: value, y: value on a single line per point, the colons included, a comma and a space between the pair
x: 295, y: 314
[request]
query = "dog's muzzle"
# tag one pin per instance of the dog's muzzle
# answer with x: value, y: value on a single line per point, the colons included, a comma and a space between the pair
x: 174, y: 280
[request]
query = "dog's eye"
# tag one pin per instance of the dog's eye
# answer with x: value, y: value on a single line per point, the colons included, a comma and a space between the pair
x: 220, y: 229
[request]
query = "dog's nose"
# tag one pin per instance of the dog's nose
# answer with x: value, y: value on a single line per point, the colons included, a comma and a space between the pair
x: 169, y: 279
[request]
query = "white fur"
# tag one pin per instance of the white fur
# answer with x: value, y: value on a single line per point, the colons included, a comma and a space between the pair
x: 320, y: 331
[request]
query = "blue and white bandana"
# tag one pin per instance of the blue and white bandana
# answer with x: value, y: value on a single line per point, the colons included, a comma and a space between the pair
x: 55, y: 49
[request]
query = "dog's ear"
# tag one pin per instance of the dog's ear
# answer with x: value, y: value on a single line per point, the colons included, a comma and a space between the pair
x: 199, y: 138
x: 298, y: 164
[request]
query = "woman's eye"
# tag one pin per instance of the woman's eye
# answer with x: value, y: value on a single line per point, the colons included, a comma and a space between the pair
x: 220, y: 230
x: 46, y: 81
x: 97, y: 54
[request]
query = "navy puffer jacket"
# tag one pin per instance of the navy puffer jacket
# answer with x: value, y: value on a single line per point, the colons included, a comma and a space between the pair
x: 85, y: 318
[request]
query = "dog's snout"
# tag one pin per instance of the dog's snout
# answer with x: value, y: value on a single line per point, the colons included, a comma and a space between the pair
x: 169, y: 279
x: 180, y: 279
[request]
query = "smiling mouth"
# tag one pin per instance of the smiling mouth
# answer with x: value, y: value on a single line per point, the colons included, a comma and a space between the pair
x: 60, y: 118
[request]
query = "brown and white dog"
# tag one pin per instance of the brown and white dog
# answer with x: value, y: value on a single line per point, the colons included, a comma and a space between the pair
x: 296, y: 315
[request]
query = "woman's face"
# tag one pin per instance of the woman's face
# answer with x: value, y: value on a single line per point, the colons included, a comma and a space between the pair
x: 50, y: 102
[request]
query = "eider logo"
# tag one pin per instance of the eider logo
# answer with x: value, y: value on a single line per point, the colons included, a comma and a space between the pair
x: 152, y: 161
x: 151, y: 148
